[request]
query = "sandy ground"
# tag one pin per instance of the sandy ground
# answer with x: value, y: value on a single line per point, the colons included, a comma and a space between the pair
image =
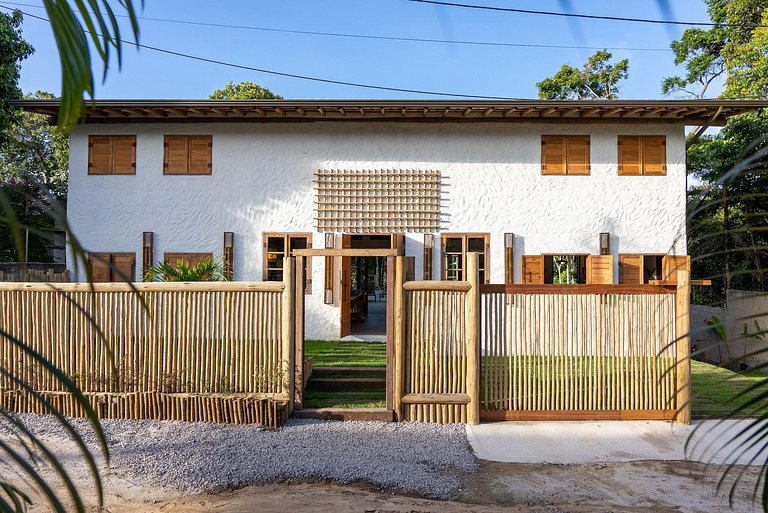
x: 621, y: 487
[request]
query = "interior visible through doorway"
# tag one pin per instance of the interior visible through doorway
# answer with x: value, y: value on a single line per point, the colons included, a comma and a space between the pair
x: 368, y: 283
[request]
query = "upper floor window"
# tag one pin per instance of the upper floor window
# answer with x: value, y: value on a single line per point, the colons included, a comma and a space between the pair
x: 455, y: 249
x: 565, y: 155
x: 642, y: 155
x: 188, y: 155
x: 112, y: 155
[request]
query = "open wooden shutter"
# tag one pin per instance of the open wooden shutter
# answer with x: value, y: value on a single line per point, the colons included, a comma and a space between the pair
x: 124, y: 266
x: 124, y: 155
x: 552, y: 155
x: 654, y: 150
x: 631, y: 269
x: 176, y: 155
x: 629, y: 155
x: 100, y: 267
x: 200, y: 154
x: 532, y: 267
x: 600, y: 269
x: 670, y: 264
x: 99, y: 155
x: 577, y: 154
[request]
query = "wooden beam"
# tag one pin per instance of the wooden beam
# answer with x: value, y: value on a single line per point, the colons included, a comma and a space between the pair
x: 683, y: 347
x: 448, y: 286
x: 435, y: 398
x: 169, y: 286
x: 532, y: 415
x: 345, y: 252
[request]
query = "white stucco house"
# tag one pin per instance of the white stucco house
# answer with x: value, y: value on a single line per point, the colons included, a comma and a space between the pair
x: 531, y: 185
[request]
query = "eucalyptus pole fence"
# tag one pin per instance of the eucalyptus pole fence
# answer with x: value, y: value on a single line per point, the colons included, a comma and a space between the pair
x: 213, y: 352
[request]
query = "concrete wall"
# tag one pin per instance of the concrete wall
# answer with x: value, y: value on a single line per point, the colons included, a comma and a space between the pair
x: 747, y: 311
x: 705, y: 341
x: 262, y: 180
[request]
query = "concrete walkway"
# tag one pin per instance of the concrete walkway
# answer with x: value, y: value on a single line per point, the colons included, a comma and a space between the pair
x: 612, y: 441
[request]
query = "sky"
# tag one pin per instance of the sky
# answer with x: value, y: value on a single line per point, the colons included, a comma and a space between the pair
x: 482, y: 70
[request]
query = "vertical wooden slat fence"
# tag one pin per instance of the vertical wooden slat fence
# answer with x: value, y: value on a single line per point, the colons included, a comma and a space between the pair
x: 214, y: 352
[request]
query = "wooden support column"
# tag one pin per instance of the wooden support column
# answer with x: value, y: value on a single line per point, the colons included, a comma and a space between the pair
x: 472, y: 322
x: 299, y: 377
x: 287, y: 330
x: 683, y: 345
x: 399, y: 336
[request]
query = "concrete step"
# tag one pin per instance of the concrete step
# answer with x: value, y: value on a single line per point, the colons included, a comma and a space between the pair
x: 349, y: 372
x: 346, y: 384
x: 361, y: 414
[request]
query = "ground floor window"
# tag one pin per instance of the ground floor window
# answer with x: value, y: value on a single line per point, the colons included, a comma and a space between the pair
x: 565, y: 269
x: 109, y: 267
x: 192, y: 259
x: 279, y: 245
x: 640, y: 269
x: 455, y: 249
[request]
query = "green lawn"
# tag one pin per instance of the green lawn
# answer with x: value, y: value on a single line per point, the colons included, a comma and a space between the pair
x: 326, y: 353
x: 714, y: 389
x: 361, y: 399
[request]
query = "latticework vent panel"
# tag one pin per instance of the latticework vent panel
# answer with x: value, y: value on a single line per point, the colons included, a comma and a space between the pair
x: 379, y: 201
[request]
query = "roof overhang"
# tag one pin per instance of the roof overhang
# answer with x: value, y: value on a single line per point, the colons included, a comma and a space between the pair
x: 685, y: 112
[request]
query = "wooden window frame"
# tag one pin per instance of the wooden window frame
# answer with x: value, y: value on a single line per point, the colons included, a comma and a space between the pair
x: 188, y: 169
x: 464, y: 246
x: 111, y: 168
x: 287, y: 236
x: 641, y: 141
x: 109, y: 259
x: 544, y: 266
x: 567, y: 161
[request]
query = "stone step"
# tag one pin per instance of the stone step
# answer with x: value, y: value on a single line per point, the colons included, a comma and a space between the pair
x: 349, y: 372
x: 361, y: 414
x: 346, y: 384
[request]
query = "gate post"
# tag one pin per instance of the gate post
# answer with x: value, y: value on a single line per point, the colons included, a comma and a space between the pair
x: 398, y: 305
x: 287, y: 331
x: 298, y: 316
x: 683, y: 346
x: 472, y: 320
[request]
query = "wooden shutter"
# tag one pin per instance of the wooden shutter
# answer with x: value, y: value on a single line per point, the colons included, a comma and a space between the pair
x: 532, y: 267
x: 398, y: 243
x: 124, y: 266
x: 654, y: 151
x: 195, y: 258
x: 629, y: 155
x: 176, y: 158
x: 124, y: 155
x: 670, y: 264
x: 99, y: 155
x: 200, y: 154
x: 600, y: 269
x: 100, y: 267
x: 577, y: 154
x: 631, y: 269
x: 553, y: 155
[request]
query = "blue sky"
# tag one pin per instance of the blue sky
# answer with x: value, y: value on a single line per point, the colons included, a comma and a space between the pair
x: 462, y: 69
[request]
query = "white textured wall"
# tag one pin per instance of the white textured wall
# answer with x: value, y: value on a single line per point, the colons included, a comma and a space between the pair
x: 262, y: 181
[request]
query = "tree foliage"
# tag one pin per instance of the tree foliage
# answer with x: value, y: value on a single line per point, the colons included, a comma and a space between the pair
x: 13, y: 50
x: 243, y: 91
x: 598, y: 79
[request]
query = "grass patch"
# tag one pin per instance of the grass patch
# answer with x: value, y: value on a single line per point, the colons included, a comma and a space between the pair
x: 332, y: 353
x: 714, y: 388
x: 361, y: 399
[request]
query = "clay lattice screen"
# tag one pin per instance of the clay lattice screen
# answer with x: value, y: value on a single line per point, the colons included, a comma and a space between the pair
x: 379, y: 201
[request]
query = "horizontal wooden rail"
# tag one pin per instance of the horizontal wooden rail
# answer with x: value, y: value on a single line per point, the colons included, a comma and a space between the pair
x: 436, y: 399
x: 447, y: 286
x: 222, y: 286
x: 512, y: 415
x: 576, y: 289
x: 345, y: 252
x: 671, y: 283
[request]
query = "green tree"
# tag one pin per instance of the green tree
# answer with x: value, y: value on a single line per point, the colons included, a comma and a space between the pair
x: 244, y: 91
x: 598, y: 79
x: 13, y: 50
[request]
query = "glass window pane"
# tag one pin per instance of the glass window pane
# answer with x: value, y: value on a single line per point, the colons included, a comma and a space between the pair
x: 453, y: 262
x: 274, y: 261
x: 298, y: 243
x: 275, y: 275
x: 481, y: 260
x: 482, y: 276
x: 476, y: 244
x: 453, y: 275
x: 276, y: 244
x: 453, y: 245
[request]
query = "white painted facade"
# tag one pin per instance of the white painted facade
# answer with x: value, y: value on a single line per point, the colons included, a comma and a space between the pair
x: 262, y: 181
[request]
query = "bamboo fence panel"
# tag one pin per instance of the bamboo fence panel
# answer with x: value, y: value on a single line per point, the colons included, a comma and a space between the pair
x: 595, y: 353
x: 34, y: 275
x: 210, y: 352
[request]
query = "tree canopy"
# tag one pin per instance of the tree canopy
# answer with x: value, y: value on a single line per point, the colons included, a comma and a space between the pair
x: 598, y: 79
x: 13, y: 50
x: 243, y: 91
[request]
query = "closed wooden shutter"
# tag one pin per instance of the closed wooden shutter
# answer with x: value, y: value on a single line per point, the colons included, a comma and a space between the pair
x: 553, y: 155
x: 99, y: 155
x: 654, y: 155
x: 124, y: 155
x: 176, y: 158
x: 124, y: 266
x: 200, y: 154
x: 532, y: 269
x: 600, y: 269
x: 631, y: 269
x: 629, y: 155
x: 670, y: 264
x: 577, y: 154
x: 100, y: 267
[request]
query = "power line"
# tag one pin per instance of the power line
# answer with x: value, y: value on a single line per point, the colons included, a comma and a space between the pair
x: 285, y: 74
x: 375, y: 37
x: 571, y: 15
